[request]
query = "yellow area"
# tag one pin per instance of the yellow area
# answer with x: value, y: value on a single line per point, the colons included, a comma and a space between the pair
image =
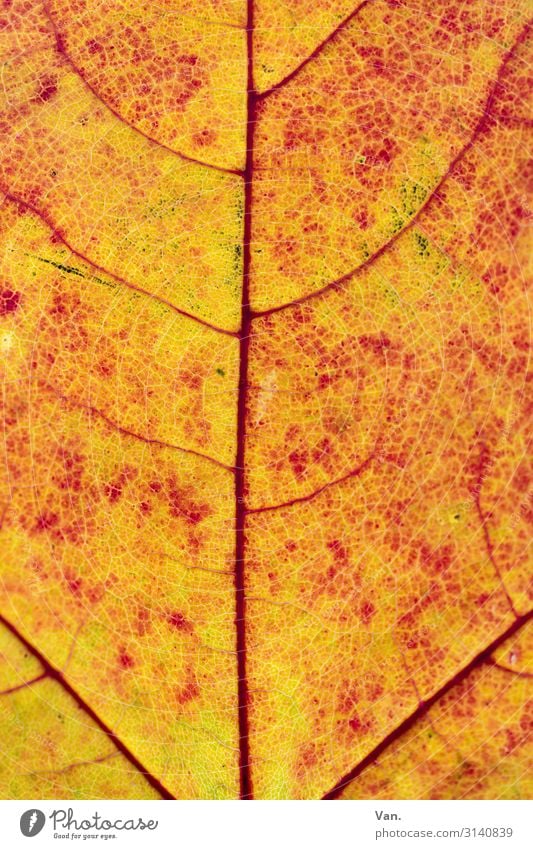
x: 179, y: 75
x: 63, y: 756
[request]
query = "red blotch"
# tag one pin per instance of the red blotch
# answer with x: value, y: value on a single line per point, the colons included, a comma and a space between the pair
x: 308, y: 756
x: 113, y: 491
x: 437, y: 561
x: 56, y: 237
x: 298, y: 461
x: 187, y: 693
x: 94, y: 46
x: 363, y: 219
x: 205, y: 137
x: 378, y: 344
x: 178, y: 621
x: 72, y: 477
x: 340, y: 553
x: 357, y: 723
x: 182, y: 506
x: 95, y: 594
x: 193, y: 381
x: 47, y: 88
x: 125, y: 660
x: 367, y: 611
x: 9, y: 301
x: 74, y: 584
x: 324, y: 380
x: 60, y: 43
x: 59, y: 306
x: 46, y: 521
x: 187, y: 60
x: 143, y: 622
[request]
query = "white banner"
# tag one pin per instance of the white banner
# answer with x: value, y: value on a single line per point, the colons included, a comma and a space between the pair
x: 267, y: 825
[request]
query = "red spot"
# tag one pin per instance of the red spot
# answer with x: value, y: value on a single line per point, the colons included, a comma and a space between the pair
x: 187, y: 693
x: 308, y: 757
x: 94, y: 46
x: 9, y: 301
x: 298, y: 461
x: 374, y: 691
x: 73, y: 471
x: 178, y: 621
x: 155, y: 486
x: 367, y: 611
x: 205, y: 137
x: 46, y: 521
x: 340, y: 553
x: 300, y: 315
x: 143, y: 622
x: 322, y: 452
x: 105, y: 369
x: 125, y: 660
x: 74, y: 584
x: 182, y: 506
x: 436, y: 561
x: 113, y: 491
x: 95, y: 594
x: 377, y: 344
x: 59, y: 307
x: 362, y: 219
x: 144, y: 507
x: 193, y: 381
x: 60, y: 42
x: 47, y: 89
x: 358, y: 724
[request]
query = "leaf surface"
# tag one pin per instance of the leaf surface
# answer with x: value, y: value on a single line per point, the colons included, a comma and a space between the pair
x: 264, y: 332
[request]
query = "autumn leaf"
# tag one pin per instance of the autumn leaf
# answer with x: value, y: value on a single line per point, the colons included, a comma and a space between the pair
x: 264, y: 327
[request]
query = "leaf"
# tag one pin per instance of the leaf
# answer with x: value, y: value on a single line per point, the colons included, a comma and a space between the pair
x: 264, y: 341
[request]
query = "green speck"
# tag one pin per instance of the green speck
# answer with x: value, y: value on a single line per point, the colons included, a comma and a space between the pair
x: 68, y: 269
x: 422, y: 243
x: 413, y: 195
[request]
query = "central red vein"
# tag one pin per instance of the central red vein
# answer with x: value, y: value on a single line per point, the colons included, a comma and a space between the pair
x: 244, y: 346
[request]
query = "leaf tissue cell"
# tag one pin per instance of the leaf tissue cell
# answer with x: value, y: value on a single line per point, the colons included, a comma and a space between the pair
x: 264, y: 332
